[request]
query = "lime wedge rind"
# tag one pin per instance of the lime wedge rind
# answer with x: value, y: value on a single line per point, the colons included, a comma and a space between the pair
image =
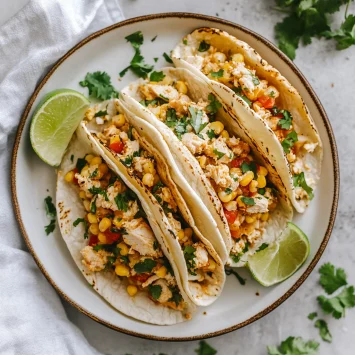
x: 280, y: 261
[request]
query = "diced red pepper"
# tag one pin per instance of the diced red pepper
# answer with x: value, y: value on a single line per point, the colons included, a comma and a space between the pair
x: 236, y: 163
x: 117, y: 147
x: 75, y: 180
x: 93, y: 240
x: 140, y: 277
x: 235, y: 234
x: 230, y: 216
x: 112, y: 237
x: 245, y: 189
x: 267, y: 101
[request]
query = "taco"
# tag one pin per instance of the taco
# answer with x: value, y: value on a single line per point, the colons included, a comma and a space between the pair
x: 245, y: 82
x: 218, y: 158
x: 114, y: 238
x: 200, y: 269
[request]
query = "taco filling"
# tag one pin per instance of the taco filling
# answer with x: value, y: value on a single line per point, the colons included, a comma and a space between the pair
x: 232, y: 71
x: 120, y: 239
x: 242, y: 185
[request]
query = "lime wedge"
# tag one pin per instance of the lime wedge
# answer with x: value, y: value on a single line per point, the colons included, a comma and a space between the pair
x: 54, y: 121
x: 279, y: 261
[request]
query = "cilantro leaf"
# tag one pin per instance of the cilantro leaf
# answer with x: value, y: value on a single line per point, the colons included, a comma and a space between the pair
x: 50, y: 227
x: 312, y: 315
x: 299, y: 180
x: 167, y: 58
x: 230, y: 271
x: 204, y: 46
x: 228, y: 190
x: 205, y: 349
x: 86, y: 226
x: 337, y: 305
x: 98, y: 191
x: 80, y: 163
x: 323, y: 330
x: 155, y: 291
x: 214, y: 104
x: 331, y: 279
x: 248, y: 200
x: 93, y: 206
x: 189, y: 254
x: 295, y: 346
x: 181, y: 127
x: 286, y: 121
x: 99, y: 85
x: 262, y: 247
x: 176, y: 297
x: 154, y: 38
x: 254, y: 79
x: 100, y: 113
x: 157, y: 76
x: 171, y: 118
x: 136, y: 39
x: 211, y: 134
x: 219, y: 154
x: 138, y: 66
x: 94, y: 173
x: 289, y: 141
x: 145, y: 266
x: 217, y: 74
x: 239, y: 92
x: 78, y: 221
x: 122, y: 201
x: 51, y: 212
x: 345, y: 36
x: 249, y: 167
x: 196, y: 119
x: 157, y: 187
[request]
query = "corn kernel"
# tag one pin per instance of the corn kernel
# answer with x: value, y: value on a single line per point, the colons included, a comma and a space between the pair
x: 148, y: 167
x: 118, y: 222
x: 122, y: 270
x: 95, y: 161
x: 224, y: 197
x: 104, y: 224
x: 69, y: 176
x: 225, y: 134
x: 115, y: 139
x: 262, y: 171
x: 161, y: 272
x: 132, y: 290
x: 253, y: 186
x: 124, y: 249
x: 247, y: 178
x: 235, y: 227
x: 103, y: 168
x: 261, y: 181
x: 89, y: 157
x: 250, y: 219
x: 94, y: 229
x: 82, y: 195
x: 217, y: 127
x: 148, y: 179
x: 118, y: 120
x: 233, y: 195
x: 240, y: 202
x: 188, y: 232
x: 238, y: 58
x: 102, y: 238
x: 265, y: 216
x: 180, y: 234
x: 202, y: 160
x: 181, y: 87
x: 92, y: 218
x: 87, y: 205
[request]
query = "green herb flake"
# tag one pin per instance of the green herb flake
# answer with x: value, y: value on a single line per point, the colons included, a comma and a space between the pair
x: 204, y: 46
x: 196, y: 119
x: 211, y: 134
x: 145, y: 266
x: 286, y: 121
x: 50, y: 208
x: 219, y: 154
x: 80, y: 163
x: 155, y: 291
x: 214, y: 105
x: 205, y: 349
x: 50, y: 227
x: 157, y: 187
x: 155, y: 60
x: 299, y: 180
x: 154, y: 38
x: 189, y: 254
x: 217, y: 74
x: 99, y: 191
x: 245, y: 166
x: 289, y: 141
x: 93, y: 206
x: 72, y: 158
x: 239, y: 92
x: 295, y: 346
x: 262, y: 247
x: 332, y: 278
x: 323, y: 330
x: 171, y: 118
x: 94, y: 173
x: 230, y: 271
x: 254, y: 79
x: 228, y: 190
x: 167, y: 58
x: 122, y: 201
x: 184, y: 41
x: 99, y: 85
x: 78, y: 221
x: 155, y: 245
x: 136, y: 39
x: 157, y: 76
x: 248, y: 200
x: 100, y: 113
x: 312, y: 315
x: 176, y: 296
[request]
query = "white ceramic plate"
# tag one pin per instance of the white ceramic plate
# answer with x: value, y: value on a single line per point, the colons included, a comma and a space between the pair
x: 33, y: 180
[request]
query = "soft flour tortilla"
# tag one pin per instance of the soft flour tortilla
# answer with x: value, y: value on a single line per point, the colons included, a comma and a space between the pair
x: 107, y: 284
x: 198, y: 295
x: 191, y: 169
x: 289, y: 99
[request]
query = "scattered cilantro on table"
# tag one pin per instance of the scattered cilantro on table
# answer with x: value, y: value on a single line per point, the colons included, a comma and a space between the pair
x: 323, y: 330
x: 310, y: 18
x: 295, y: 346
x: 205, y: 349
x: 145, y: 266
x: 332, y: 278
x: 99, y: 85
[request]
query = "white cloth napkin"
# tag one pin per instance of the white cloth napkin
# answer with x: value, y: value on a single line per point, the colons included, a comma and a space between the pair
x: 32, y: 318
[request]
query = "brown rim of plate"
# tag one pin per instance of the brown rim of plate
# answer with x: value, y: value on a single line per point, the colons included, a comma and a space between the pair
x: 310, y: 91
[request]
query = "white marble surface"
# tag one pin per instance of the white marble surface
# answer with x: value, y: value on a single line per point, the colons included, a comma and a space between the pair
x: 332, y: 75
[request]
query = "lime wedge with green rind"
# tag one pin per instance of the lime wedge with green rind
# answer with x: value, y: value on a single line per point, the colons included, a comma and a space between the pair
x: 279, y: 261
x: 54, y: 121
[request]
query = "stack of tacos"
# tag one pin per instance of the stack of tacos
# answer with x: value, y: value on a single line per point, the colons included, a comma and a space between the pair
x: 161, y: 188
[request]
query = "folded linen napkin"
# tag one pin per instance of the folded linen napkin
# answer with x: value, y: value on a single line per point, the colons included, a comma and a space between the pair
x: 32, y: 318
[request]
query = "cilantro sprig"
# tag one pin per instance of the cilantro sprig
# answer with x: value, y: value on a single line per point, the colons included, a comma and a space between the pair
x: 332, y: 278
x: 299, y: 180
x: 99, y: 85
x: 51, y: 212
x: 295, y: 346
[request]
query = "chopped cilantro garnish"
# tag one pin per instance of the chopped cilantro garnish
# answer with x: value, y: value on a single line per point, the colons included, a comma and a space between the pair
x: 94, y: 173
x: 50, y: 208
x: 157, y: 187
x: 154, y: 38
x: 166, y: 99
x: 219, y: 154
x: 295, y: 346
x: 86, y: 226
x: 248, y: 200
x: 254, y: 79
x: 176, y: 296
x: 323, y: 330
x: 100, y: 113
x: 239, y: 92
x: 289, y: 141
x: 312, y: 315
x: 249, y: 167
x: 50, y: 227
x: 122, y: 201
x: 129, y: 159
x: 204, y: 46
x: 98, y: 191
x: 93, y: 206
x: 155, y: 245
x: 189, y: 254
x: 230, y: 271
x: 261, y: 191
x: 157, y: 76
x: 80, y: 163
x: 99, y: 85
x: 211, y: 134
x: 228, y: 190
x: 214, y: 104
x: 332, y: 278
x: 155, y: 59
x: 181, y: 127
x: 217, y: 74
x: 145, y: 266
x: 196, y: 119
x: 78, y: 221
x: 184, y: 41
x: 262, y: 247
x: 171, y: 118
x: 205, y: 349
x: 155, y: 291
x: 286, y: 121
x: 167, y: 58
x: 136, y: 39
x: 72, y: 158
x: 299, y: 180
